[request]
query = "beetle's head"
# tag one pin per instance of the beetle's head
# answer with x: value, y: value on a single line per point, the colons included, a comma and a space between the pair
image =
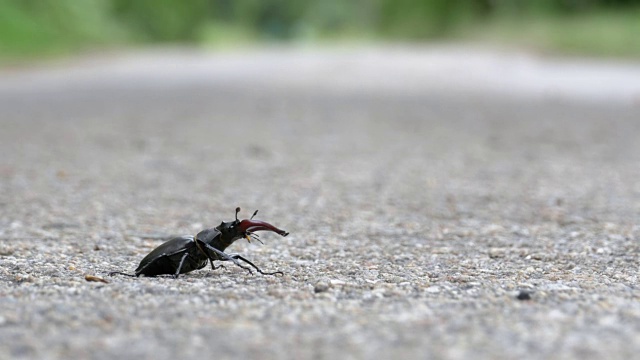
x: 246, y: 228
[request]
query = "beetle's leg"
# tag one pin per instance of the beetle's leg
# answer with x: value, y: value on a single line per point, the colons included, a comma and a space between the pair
x: 226, y: 257
x: 175, y: 276
x: 121, y: 273
x: 239, y: 257
x: 213, y: 267
x: 211, y: 259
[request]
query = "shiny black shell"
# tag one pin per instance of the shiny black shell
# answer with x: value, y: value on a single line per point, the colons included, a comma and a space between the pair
x: 165, y: 259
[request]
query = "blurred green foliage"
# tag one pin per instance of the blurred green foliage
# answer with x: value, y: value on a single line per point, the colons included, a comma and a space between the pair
x: 35, y: 27
x: 41, y: 27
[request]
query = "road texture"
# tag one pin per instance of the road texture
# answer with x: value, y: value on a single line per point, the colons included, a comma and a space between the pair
x: 425, y: 190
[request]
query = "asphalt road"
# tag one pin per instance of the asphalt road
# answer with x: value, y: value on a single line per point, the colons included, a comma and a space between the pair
x: 425, y: 190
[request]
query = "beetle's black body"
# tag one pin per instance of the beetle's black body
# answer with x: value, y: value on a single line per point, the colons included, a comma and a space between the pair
x: 188, y: 253
x: 166, y: 258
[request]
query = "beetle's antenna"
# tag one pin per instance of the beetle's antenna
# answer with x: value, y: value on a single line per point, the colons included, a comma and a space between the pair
x: 254, y: 214
x: 237, y: 211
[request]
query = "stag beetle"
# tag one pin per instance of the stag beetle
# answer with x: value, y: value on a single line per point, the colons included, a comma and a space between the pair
x: 188, y: 253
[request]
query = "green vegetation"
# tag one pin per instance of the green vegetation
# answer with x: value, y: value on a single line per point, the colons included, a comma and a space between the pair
x: 29, y: 28
x: 51, y: 27
x: 605, y: 33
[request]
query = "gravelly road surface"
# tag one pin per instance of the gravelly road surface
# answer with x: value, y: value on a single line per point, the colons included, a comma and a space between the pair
x: 424, y: 189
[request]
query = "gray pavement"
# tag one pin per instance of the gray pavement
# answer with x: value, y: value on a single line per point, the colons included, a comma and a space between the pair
x: 424, y: 189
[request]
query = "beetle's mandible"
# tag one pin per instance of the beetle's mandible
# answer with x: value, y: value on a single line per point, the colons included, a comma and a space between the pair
x: 188, y: 253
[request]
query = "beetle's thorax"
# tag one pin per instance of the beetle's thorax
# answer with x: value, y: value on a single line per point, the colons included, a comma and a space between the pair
x: 221, y: 236
x: 229, y: 232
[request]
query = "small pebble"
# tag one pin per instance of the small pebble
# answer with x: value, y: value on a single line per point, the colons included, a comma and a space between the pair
x: 524, y: 295
x: 320, y: 287
x: 95, y: 279
x: 495, y: 253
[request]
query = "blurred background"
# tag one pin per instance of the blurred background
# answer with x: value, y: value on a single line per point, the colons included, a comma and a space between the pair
x: 31, y: 28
